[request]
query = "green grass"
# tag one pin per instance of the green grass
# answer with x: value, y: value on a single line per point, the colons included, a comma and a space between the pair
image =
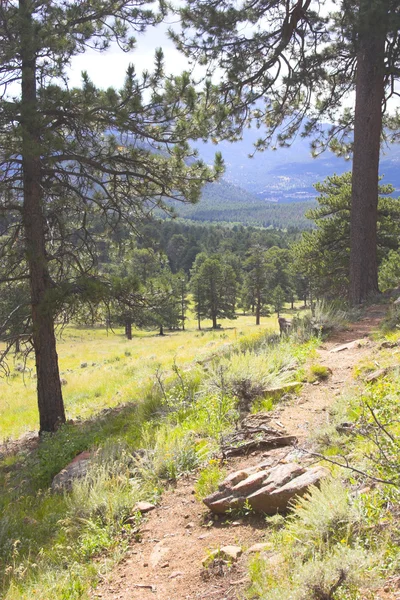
x: 119, y: 371
x: 338, y: 543
x: 54, y: 545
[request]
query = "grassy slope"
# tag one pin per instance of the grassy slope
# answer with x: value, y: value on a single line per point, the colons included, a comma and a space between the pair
x: 122, y: 369
x: 48, y: 541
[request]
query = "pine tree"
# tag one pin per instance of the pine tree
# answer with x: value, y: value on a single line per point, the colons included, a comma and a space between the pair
x: 290, y: 66
x: 323, y: 254
x: 213, y: 285
x: 71, y: 159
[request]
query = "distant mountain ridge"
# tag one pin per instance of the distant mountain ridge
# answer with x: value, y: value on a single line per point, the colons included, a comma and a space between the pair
x: 287, y: 174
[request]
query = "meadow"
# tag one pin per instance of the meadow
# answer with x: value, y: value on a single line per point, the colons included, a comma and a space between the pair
x: 117, y: 371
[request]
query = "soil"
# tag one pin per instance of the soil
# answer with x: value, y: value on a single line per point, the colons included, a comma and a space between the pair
x: 165, y: 561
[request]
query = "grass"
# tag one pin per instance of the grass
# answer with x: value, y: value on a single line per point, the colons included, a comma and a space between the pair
x: 341, y: 541
x: 119, y: 371
x: 55, y: 545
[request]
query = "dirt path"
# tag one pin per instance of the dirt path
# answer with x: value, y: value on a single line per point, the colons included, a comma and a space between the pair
x: 166, y: 563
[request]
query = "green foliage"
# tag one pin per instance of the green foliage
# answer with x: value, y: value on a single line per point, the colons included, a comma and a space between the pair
x: 389, y: 271
x: 208, y: 480
x: 213, y: 285
x: 322, y: 255
x: 319, y: 372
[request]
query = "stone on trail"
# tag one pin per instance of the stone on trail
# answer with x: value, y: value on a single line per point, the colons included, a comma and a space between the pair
x: 231, y: 552
x: 376, y: 375
x: 143, y: 507
x: 266, y: 491
x: 349, y: 346
x: 271, y: 502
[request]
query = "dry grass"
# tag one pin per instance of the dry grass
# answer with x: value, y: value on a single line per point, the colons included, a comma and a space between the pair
x: 118, y: 371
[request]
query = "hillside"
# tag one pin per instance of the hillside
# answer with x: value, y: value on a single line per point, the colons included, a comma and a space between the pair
x: 287, y: 174
x: 225, y: 202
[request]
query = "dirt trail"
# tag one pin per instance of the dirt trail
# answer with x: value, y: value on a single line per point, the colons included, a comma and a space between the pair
x: 166, y: 563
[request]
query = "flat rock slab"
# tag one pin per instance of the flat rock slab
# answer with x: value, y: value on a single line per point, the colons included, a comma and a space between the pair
x: 376, y: 375
x: 349, y: 345
x: 159, y: 554
x: 268, y: 491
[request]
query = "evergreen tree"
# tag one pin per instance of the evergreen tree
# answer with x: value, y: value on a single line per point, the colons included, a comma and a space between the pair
x: 256, y: 292
x: 290, y: 67
x: 71, y: 159
x: 213, y: 285
x: 278, y: 299
x: 323, y: 255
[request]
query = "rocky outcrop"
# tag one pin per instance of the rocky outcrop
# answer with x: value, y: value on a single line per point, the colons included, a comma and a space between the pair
x: 265, y: 490
x: 76, y: 469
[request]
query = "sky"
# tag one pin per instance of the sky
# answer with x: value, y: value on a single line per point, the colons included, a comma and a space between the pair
x: 108, y: 68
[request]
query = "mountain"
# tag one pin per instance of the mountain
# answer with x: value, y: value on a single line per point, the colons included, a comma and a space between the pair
x: 224, y: 202
x: 287, y: 174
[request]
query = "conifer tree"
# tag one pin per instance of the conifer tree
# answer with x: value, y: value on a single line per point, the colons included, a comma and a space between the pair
x: 71, y: 158
x: 290, y: 66
x: 213, y: 286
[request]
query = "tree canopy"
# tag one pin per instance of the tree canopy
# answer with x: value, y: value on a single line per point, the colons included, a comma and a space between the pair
x: 74, y: 162
x: 291, y: 67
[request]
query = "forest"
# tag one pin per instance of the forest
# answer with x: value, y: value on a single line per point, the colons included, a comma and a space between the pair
x: 160, y: 327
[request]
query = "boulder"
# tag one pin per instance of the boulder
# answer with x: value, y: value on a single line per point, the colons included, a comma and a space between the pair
x: 266, y: 491
x: 277, y: 500
x: 76, y: 469
x: 143, y: 507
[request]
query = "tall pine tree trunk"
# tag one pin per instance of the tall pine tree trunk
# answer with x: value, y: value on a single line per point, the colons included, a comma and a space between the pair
x: 50, y: 401
x: 258, y: 310
x: 367, y: 138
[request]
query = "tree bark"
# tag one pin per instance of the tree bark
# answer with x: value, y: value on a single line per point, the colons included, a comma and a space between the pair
x: 214, y: 322
x: 258, y: 311
x: 128, y: 329
x: 367, y: 138
x: 50, y: 401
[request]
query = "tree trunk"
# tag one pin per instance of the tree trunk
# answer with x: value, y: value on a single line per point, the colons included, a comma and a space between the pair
x: 50, y: 401
x: 214, y: 322
x: 128, y: 329
x: 367, y: 137
x: 258, y: 311
x: 161, y: 330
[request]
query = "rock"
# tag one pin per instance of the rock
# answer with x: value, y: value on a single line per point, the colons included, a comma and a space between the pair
x: 266, y: 491
x: 258, y: 547
x: 83, y: 365
x: 251, y: 483
x: 233, y: 479
x: 349, y: 346
x: 280, y: 475
x: 159, y: 554
x: 376, y: 375
x: 387, y: 344
x: 189, y: 526
x: 63, y: 382
x: 175, y: 574
x: 231, y: 552
x: 271, y: 502
x: 76, y: 469
x: 143, y: 507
